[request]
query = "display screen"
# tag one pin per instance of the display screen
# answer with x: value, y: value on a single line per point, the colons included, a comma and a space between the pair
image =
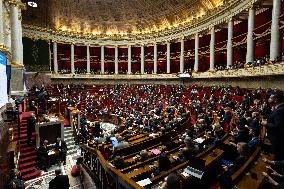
x: 3, y: 80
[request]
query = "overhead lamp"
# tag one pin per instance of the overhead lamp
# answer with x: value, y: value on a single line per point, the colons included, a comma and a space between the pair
x: 32, y: 4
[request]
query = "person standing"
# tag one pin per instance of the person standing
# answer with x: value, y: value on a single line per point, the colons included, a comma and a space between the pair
x: 30, y: 127
x: 60, y: 181
x: 275, y: 124
x: 62, y: 147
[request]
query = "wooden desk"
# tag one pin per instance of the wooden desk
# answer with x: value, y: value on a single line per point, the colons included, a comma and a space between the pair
x: 253, y: 178
x: 210, y: 159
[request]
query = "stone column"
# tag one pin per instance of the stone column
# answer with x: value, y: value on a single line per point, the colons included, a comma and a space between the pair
x: 142, y: 59
x: 88, y: 59
x: 16, y: 35
x: 55, y: 62
x: 181, y: 58
x: 168, y: 57
x: 275, y: 31
x: 102, y: 59
x: 2, y: 21
x: 17, y: 82
x: 116, y: 60
x: 196, y: 47
x: 230, y: 43
x: 129, y: 60
x: 155, y: 58
x: 212, y: 48
x: 250, y: 43
x: 72, y: 59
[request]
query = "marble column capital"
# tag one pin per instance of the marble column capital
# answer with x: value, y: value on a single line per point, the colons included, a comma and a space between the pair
x: 17, y: 3
x: 229, y: 19
x: 16, y: 65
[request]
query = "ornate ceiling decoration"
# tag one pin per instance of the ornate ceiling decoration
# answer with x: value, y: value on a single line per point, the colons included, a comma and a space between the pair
x: 116, y: 17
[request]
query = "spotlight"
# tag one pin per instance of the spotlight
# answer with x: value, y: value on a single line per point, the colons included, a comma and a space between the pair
x: 32, y: 4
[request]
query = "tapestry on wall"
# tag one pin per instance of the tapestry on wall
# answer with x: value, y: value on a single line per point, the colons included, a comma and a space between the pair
x: 36, y: 55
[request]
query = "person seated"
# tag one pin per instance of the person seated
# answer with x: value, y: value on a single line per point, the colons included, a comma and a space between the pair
x: 61, y: 146
x: 15, y: 180
x: 121, y: 143
x: 143, y: 156
x: 42, y: 156
x: 119, y: 163
x: 184, y: 155
x: 97, y: 130
x: 242, y: 134
x: 229, y: 168
x: 172, y: 181
x: 191, y: 146
x: 254, y: 139
x: 242, y: 155
x: 164, y: 164
x: 255, y: 122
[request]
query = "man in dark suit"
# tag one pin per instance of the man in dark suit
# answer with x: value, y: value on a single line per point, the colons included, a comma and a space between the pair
x: 60, y: 181
x: 30, y: 127
x: 62, y: 148
x: 42, y: 156
x: 275, y: 125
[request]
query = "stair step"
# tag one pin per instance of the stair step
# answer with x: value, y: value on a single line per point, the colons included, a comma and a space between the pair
x: 28, y: 164
x: 68, y: 139
x: 27, y: 149
x: 25, y: 145
x: 24, y: 141
x: 70, y: 142
x: 24, y: 136
x: 28, y: 170
x: 71, y: 147
x: 32, y: 175
x: 68, y: 134
x: 27, y: 154
x: 74, y: 151
x: 29, y: 158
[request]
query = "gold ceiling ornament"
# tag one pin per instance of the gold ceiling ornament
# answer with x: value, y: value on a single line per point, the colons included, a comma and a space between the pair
x: 17, y: 3
x: 154, y: 17
x: 218, y: 16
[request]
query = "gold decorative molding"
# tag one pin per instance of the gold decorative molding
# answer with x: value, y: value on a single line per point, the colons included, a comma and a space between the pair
x: 216, y: 17
x: 18, y: 4
x: 3, y: 48
x: 16, y: 65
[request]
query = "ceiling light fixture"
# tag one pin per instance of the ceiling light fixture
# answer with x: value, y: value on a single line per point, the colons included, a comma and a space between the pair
x: 32, y: 4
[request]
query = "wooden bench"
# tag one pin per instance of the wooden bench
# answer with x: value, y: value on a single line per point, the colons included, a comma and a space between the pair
x: 253, y: 177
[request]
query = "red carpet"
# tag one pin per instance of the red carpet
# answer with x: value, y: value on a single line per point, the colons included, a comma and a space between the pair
x: 27, y: 164
x: 66, y: 122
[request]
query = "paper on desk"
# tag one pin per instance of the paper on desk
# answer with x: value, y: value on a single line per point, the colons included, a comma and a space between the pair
x: 185, y: 174
x: 199, y: 140
x: 144, y: 182
x: 155, y: 151
x: 51, y: 152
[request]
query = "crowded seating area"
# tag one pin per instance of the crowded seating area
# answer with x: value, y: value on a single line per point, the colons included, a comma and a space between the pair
x: 141, y: 94
x: 143, y: 133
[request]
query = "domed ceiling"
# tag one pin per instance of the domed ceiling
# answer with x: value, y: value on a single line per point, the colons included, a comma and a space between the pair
x: 116, y: 16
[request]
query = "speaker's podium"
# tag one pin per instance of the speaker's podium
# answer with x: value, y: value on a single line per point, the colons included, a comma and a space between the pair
x: 50, y: 129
